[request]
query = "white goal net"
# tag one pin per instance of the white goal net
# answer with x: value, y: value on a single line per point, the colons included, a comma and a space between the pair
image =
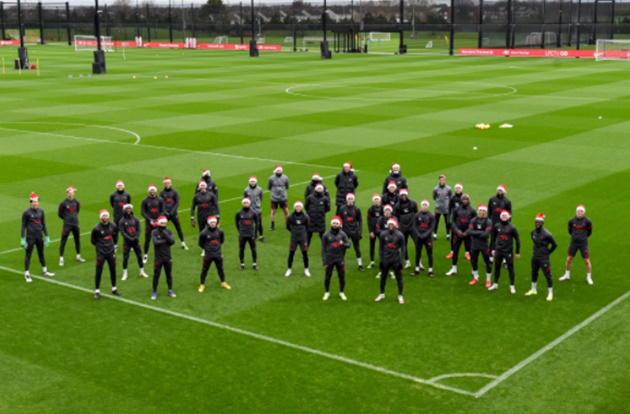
x: 223, y: 40
x: 382, y: 36
x: 88, y: 43
x: 609, y: 49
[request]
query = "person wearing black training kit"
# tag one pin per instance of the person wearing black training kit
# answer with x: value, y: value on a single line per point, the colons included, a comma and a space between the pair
x: 374, y: 213
x: 103, y: 236
x: 163, y: 239
x: 246, y: 223
x: 278, y: 185
x: 391, y: 255
x: 479, y: 232
x: 34, y: 234
x: 152, y: 208
x: 69, y: 212
x: 504, y: 236
x: 206, y: 204
x: 171, y: 207
x: 405, y: 211
x: 317, y: 205
x: 460, y: 225
x: 390, y: 195
x: 544, y: 245
x: 353, y: 225
x: 211, y: 186
x: 210, y: 240
x: 453, y: 204
x: 346, y: 182
x: 297, y: 223
x: 117, y: 201
x: 334, y: 245
x: 580, y: 229
x: 255, y: 194
x: 442, y: 195
x: 310, y: 188
x: 498, y: 204
x: 130, y: 228
x: 424, y: 223
x: 396, y: 177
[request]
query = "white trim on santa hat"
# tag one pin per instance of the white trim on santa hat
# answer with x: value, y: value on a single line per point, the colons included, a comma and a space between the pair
x: 162, y: 219
x: 166, y: 180
x: 246, y: 200
x: 423, y: 202
x: 392, y: 221
x: 391, y: 184
x: 376, y: 197
x: 277, y: 168
x: 211, y: 219
x: 394, y: 166
x: 319, y: 186
x: 316, y: 177
x: 126, y: 206
x: 202, y: 183
x: 336, y: 219
x: 103, y: 213
x: 482, y: 207
x: 120, y: 182
x: 459, y: 185
x: 152, y: 186
x: 350, y: 196
x: 205, y: 173
x: 388, y: 207
x: 502, y: 188
x: 33, y: 197
x: 253, y: 178
x: 403, y: 191
x: 580, y: 207
x: 347, y: 164
x: 298, y: 203
x: 505, y: 213
x: 540, y: 217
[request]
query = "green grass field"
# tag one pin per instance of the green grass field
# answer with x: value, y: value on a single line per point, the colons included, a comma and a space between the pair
x: 271, y: 344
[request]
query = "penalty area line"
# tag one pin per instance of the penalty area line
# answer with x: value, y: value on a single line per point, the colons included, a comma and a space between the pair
x: 250, y: 334
x: 516, y: 368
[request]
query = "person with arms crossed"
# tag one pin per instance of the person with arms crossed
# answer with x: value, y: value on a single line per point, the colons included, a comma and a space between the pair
x: 544, y: 245
x: 255, y: 194
x: 171, y: 207
x: 391, y: 256
x: 206, y: 204
x: 405, y: 211
x: 396, y: 177
x: 278, y: 185
x: 352, y: 223
x: 310, y: 188
x: 34, y: 234
x: 460, y: 225
x: 317, y: 205
x: 246, y: 223
x: 442, y: 195
x: 163, y: 239
x: 580, y: 229
x: 453, y: 204
x: 117, y: 201
x: 504, y: 236
x: 424, y: 223
x: 211, y: 186
x: 210, y: 240
x: 390, y: 195
x: 346, y: 182
x: 479, y: 232
x: 334, y: 245
x: 152, y: 208
x: 69, y: 212
x: 130, y: 228
x: 374, y: 213
x: 297, y: 223
x: 103, y: 236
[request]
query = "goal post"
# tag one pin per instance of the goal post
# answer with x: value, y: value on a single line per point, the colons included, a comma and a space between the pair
x: 382, y: 36
x: 612, y: 49
x: 88, y: 43
x: 223, y: 40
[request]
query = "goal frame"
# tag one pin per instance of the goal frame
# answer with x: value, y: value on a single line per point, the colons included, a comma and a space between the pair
x: 83, y: 43
x: 602, y: 52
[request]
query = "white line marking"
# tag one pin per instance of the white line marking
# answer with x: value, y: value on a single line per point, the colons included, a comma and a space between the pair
x: 250, y: 334
x: 215, y: 154
x: 138, y: 138
x: 516, y: 368
x: 461, y: 374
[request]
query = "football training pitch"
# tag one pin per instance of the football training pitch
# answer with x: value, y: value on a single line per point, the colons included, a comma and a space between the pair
x: 271, y: 344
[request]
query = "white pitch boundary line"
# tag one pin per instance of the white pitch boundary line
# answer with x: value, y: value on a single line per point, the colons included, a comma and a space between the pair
x: 507, y: 374
x: 250, y: 334
x: 138, y: 137
x: 179, y: 211
x: 215, y: 154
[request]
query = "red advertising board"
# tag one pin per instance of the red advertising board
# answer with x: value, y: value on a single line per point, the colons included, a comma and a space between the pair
x: 9, y: 42
x: 552, y: 53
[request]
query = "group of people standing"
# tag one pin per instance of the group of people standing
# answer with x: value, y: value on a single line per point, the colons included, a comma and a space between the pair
x: 392, y: 220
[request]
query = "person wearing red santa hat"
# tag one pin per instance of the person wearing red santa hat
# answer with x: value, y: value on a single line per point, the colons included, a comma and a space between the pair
x: 317, y: 205
x: 352, y: 223
x: 405, y: 211
x: 255, y: 194
x: 210, y: 240
x: 297, y: 224
x: 346, y: 182
x: 206, y: 204
x: 117, y: 201
x: 278, y: 185
x: 374, y: 213
x: 455, y: 201
x: 334, y: 245
x: 544, y: 245
x: 152, y: 207
x: 504, y: 236
x: 69, y: 212
x: 580, y: 229
x: 316, y: 180
x: 424, y: 223
x: 390, y: 195
x: 34, y: 234
x: 103, y: 236
x: 130, y: 228
x: 442, y: 195
x: 391, y: 256
x: 499, y: 203
x: 163, y: 239
x: 211, y: 186
x: 479, y: 231
x: 395, y: 176
x: 246, y: 222
x: 171, y: 208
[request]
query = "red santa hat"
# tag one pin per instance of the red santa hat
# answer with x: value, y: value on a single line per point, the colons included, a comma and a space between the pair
x: 120, y: 183
x: 459, y: 185
x: 277, y: 169
x: 316, y: 177
x: 202, y: 183
x: 350, y: 196
x: 205, y: 173
x: 103, y: 213
x: 33, y: 197
x: 347, y: 164
x: 403, y: 191
x: 425, y: 202
x: 246, y: 200
x: 298, y: 203
x: 505, y: 213
x: 501, y: 187
x: 152, y: 187
x: 394, y: 166
x: 336, y: 219
x: 540, y: 217
x: 212, y: 219
x: 482, y: 207
x: 391, y: 184
x: 580, y: 207
x: 393, y: 221
x: 166, y: 180
x: 70, y: 188
x: 376, y: 197
x: 388, y: 207
x: 126, y: 206
x: 254, y: 179
x: 319, y: 187
x: 162, y: 220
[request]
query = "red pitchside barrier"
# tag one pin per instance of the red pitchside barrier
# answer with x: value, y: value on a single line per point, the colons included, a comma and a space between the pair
x: 9, y: 42
x: 529, y: 53
x: 180, y: 45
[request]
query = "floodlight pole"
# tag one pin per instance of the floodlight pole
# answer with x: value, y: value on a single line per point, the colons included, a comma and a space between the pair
x: 98, y: 66
x: 253, y: 50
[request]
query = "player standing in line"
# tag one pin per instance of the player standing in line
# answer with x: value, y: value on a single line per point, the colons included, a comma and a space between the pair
x: 103, y: 236
x: 246, y: 223
x: 117, y: 200
x: 334, y: 245
x: 442, y: 195
x: 69, y: 212
x: 479, y: 232
x: 390, y: 196
x: 34, y: 234
x: 352, y: 223
x: 405, y: 211
x: 163, y: 239
x: 210, y: 240
x: 453, y: 204
x: 460, y: 225
x: 297, y: 223
x: 544, y: 245
x: 171, y: 207
x: 499, y: 203
x: 130, y: 228
x: 346, y: 182
x: 317, y: 205
x: 152, y: 207
x: 381, y: 226
x: 580, y: 229
x: 395, y: 176
x: 310, y: 188
x: 211, y: 186
x: 206, y: 204
x: 424, y: 223
x: 504, y: 234
x: 278, y: 185
x: 255, y: 194
x: 392, y: 252
x: 374, y: 213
